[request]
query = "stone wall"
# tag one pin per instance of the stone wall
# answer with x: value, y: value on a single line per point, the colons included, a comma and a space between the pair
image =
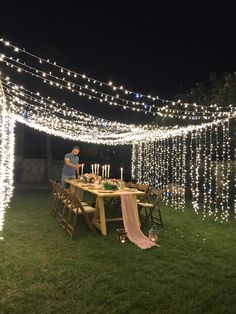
x: 35, y: 170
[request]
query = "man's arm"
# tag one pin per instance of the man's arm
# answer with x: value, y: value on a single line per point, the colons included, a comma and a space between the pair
x: 69, y: 163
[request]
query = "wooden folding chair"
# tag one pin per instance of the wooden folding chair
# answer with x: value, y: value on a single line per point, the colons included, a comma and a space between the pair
x: 131, y: 185
x: 53, y: 197
x: 63, y: 211
x: 150, y: 210
x: 76, y: 208
x: 146, y: 189
x: 56, y: 198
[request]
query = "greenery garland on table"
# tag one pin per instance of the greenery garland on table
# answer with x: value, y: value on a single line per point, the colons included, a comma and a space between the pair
x: 110, y: 185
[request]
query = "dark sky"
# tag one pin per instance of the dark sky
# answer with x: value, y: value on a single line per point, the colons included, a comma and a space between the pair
x: 149, y: 47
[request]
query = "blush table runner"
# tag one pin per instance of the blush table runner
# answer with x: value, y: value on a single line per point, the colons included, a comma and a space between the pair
x: 132, y: 227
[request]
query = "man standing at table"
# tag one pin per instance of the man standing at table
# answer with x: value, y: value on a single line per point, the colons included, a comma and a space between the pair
x: 71, y: 166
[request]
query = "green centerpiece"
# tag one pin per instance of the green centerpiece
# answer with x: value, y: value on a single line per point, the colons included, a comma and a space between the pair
x: 110, y: 185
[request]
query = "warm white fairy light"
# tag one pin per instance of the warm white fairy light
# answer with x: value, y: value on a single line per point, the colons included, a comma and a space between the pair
x: 173, y: 170
x: 184, y: 171
x: 73, y: 74
x: 7, y: 138
x: 210, y: 179
x: 143, y: 133
x: 176, y: 172
x: 158, y: 178
x: 133, y: 159
x: 75, y: 88
x: 164, y: 183
x: 139, y: 163
x: 94, y: 133
x: 50, y: 117
x: 179, y: 173
x: 198, y: 165
x: 217, y: 179
x: 223, y: 176
x: 164, y: 169
x: 227, y: 170
x: 202, y: 151
x: 146, y: 165
x: 193, y: 112
x: 176, y: 195
x: 160, y: 165
x: 168, y: 158
x: 152, y: 163
x: 205, y: 171
x: 193, y: 169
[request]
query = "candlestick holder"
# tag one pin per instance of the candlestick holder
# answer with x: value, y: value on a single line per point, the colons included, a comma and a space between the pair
x: 121, y: 185
x: 121, y: 235
x: 153, y: 234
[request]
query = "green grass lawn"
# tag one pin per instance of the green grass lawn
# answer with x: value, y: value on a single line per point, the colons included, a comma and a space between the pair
x: 42, y: 270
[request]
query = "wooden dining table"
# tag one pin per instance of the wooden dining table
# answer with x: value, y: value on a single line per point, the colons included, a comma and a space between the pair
x: 99, y: 219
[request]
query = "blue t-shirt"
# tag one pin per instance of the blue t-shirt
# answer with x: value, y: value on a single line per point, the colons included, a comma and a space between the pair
x: 67, y: 170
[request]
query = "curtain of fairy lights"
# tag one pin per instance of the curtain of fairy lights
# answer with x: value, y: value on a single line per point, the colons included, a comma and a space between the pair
x: 197, y: 165
x: 7, y: 138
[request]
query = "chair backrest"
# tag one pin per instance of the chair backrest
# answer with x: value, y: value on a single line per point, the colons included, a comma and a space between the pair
x: 53, y: 185
x: 156, y: 195
x: 131, y: 185
x: 76, y: 203
x: 157, y: 192
x: 146, y: 189
x: 143, y: 187
x: 66, y: 196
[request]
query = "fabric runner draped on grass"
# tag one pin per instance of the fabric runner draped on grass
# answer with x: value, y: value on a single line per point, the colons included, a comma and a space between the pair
x: 132, y: 227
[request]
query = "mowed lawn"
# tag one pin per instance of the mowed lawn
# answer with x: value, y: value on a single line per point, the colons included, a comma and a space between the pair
x: 42, y: 270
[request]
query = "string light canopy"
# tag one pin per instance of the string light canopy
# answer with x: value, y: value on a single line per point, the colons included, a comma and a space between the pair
x: 73, y: 74
x: 159, y: 154
x: 37, y: 112
x: 166, y: 163
x: 68, y: 79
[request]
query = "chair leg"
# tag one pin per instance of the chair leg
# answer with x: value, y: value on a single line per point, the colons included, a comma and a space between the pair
x: 88, y: 221
x: 72, y: 223
x: 157, y: 220
x: 64, y: 217
x: 144, y: 216
x: 51, y: 202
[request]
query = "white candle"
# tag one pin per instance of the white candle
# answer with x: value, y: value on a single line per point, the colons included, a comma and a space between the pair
x: 108, y: 171
x: 102, y: 171
x: 121, y: 174
x: 95, y: 166
x: 92, y: 168
x: 82, y: 169
x: 105, y: 167
x: 98, y: 169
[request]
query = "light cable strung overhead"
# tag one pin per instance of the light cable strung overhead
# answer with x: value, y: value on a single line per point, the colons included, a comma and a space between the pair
x: 111, y: 99
x: 197, y: 112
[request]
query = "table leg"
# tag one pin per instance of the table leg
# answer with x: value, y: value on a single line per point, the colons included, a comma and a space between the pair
x: 100, y: 215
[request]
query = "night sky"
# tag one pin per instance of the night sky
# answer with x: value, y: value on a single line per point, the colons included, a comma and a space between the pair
x: 162, y: 49
x: 149, y: 48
